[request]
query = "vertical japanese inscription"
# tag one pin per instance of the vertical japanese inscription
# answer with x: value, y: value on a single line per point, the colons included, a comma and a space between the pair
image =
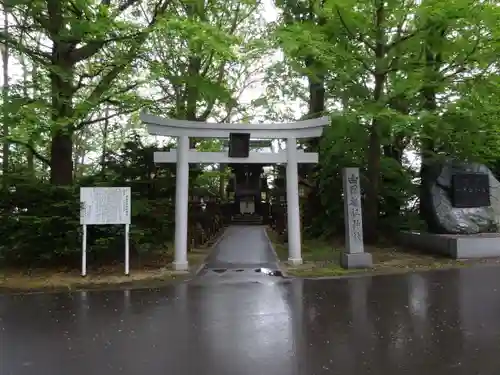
x: 355, y: 207
x: 352, y: 211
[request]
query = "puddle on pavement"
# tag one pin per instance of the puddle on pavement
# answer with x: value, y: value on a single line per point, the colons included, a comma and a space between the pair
x: 269, y: 272
x: 220, y: 270
x: 265, y: 271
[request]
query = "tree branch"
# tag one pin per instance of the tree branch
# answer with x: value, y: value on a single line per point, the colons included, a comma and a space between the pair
x: 368, y: 45
x: 399, y: 37
x: 208, y: 62
x: 32, y: 149
x: 303, y: 181
x: 402, y: 39
x: 210, y: 105
x: 82, y: 76
x: 83, y: 124
x: 460, y: 64
x: 106, y: 81
x: 93, y: 47
x: 351, y: 34
x: 38, y: 56
x: 123, y: 90
x: 126, y: 4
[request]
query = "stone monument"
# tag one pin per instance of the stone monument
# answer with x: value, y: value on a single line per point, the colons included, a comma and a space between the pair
x: 354, y: 255
x: 458, y: 199
x: 461, y: 207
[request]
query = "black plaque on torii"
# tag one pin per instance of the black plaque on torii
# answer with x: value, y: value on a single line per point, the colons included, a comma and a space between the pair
x: 239, y: 145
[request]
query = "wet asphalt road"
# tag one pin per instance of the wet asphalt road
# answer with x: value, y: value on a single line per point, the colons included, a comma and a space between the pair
x: 434, y: 323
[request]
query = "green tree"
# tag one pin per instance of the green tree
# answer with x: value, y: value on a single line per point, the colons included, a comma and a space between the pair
x: 77, y: 34
x: 392, y: 72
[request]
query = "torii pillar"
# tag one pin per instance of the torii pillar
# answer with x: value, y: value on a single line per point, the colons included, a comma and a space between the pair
x: 181, y: 204
x: 183, y: 129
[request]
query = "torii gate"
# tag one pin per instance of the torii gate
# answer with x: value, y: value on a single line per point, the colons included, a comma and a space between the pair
x: 183, y: 129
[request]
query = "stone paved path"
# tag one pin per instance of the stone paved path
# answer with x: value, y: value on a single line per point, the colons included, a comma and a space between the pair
x: 241, y: 251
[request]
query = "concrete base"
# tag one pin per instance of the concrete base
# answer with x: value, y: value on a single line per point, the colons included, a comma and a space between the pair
x: 356, y: 260
x: 456, y: 246
x: 295, y: 261
x: 184, y: 266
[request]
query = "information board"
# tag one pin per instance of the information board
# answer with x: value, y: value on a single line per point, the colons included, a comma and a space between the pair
x: 105, y: 205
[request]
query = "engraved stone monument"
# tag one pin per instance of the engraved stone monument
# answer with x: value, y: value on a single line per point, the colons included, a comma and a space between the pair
x: 457, y: 199
x: 461, y: 207
x: 354, y: 255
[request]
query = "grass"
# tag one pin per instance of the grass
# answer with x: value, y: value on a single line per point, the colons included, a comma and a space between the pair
x: 322, y: 259
x: 145, y: 271
x: 48, y: 280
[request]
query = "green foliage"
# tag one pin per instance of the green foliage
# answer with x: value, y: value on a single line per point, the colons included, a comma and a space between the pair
x: 79, y: 107
x: 399, y: 76
x: 52, y: 216
x: 201, y: 58
x: 41, y: 222
x: 52, y: 213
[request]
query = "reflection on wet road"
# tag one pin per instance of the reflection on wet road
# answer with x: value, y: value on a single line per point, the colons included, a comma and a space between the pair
x: 435, y: 323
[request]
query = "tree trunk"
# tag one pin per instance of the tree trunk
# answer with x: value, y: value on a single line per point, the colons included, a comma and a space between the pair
x: 316, y: 108
x: 428, y: 95
x: 371, y: 204
x: 192, y: 92
x: 194, y: 11
x: 427, y: 149
x: 61, y: 150
x: 61, y: 158
x: 392, y: 206
x: 105, y: 139
x: 34, y: 79
x: 222, y: 182
x: 316, y: 83
x: 5, y: 92
x: 30, y: 158
x: 77, y: 146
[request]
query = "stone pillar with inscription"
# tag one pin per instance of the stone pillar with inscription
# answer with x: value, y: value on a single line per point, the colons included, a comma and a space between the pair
x: 354, y: 255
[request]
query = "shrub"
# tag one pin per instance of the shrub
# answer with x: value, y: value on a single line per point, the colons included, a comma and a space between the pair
x: 40, y: 226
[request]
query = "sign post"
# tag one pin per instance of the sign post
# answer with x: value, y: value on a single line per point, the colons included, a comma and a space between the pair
x: 105, y: 206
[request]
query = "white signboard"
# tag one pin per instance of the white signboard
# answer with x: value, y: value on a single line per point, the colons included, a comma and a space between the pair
x: 105, y: 206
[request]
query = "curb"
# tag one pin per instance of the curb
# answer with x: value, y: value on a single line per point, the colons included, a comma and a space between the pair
x: 280, y: 268
x: 127, y: 285
x: 362, y: 274
x: 214, y: 245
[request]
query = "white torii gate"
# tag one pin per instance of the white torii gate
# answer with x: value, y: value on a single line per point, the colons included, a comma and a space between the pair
x: 183, y: 129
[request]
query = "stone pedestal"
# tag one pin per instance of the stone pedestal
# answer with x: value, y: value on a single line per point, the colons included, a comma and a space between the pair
x: 456, y: 246
x: 356, y: 260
